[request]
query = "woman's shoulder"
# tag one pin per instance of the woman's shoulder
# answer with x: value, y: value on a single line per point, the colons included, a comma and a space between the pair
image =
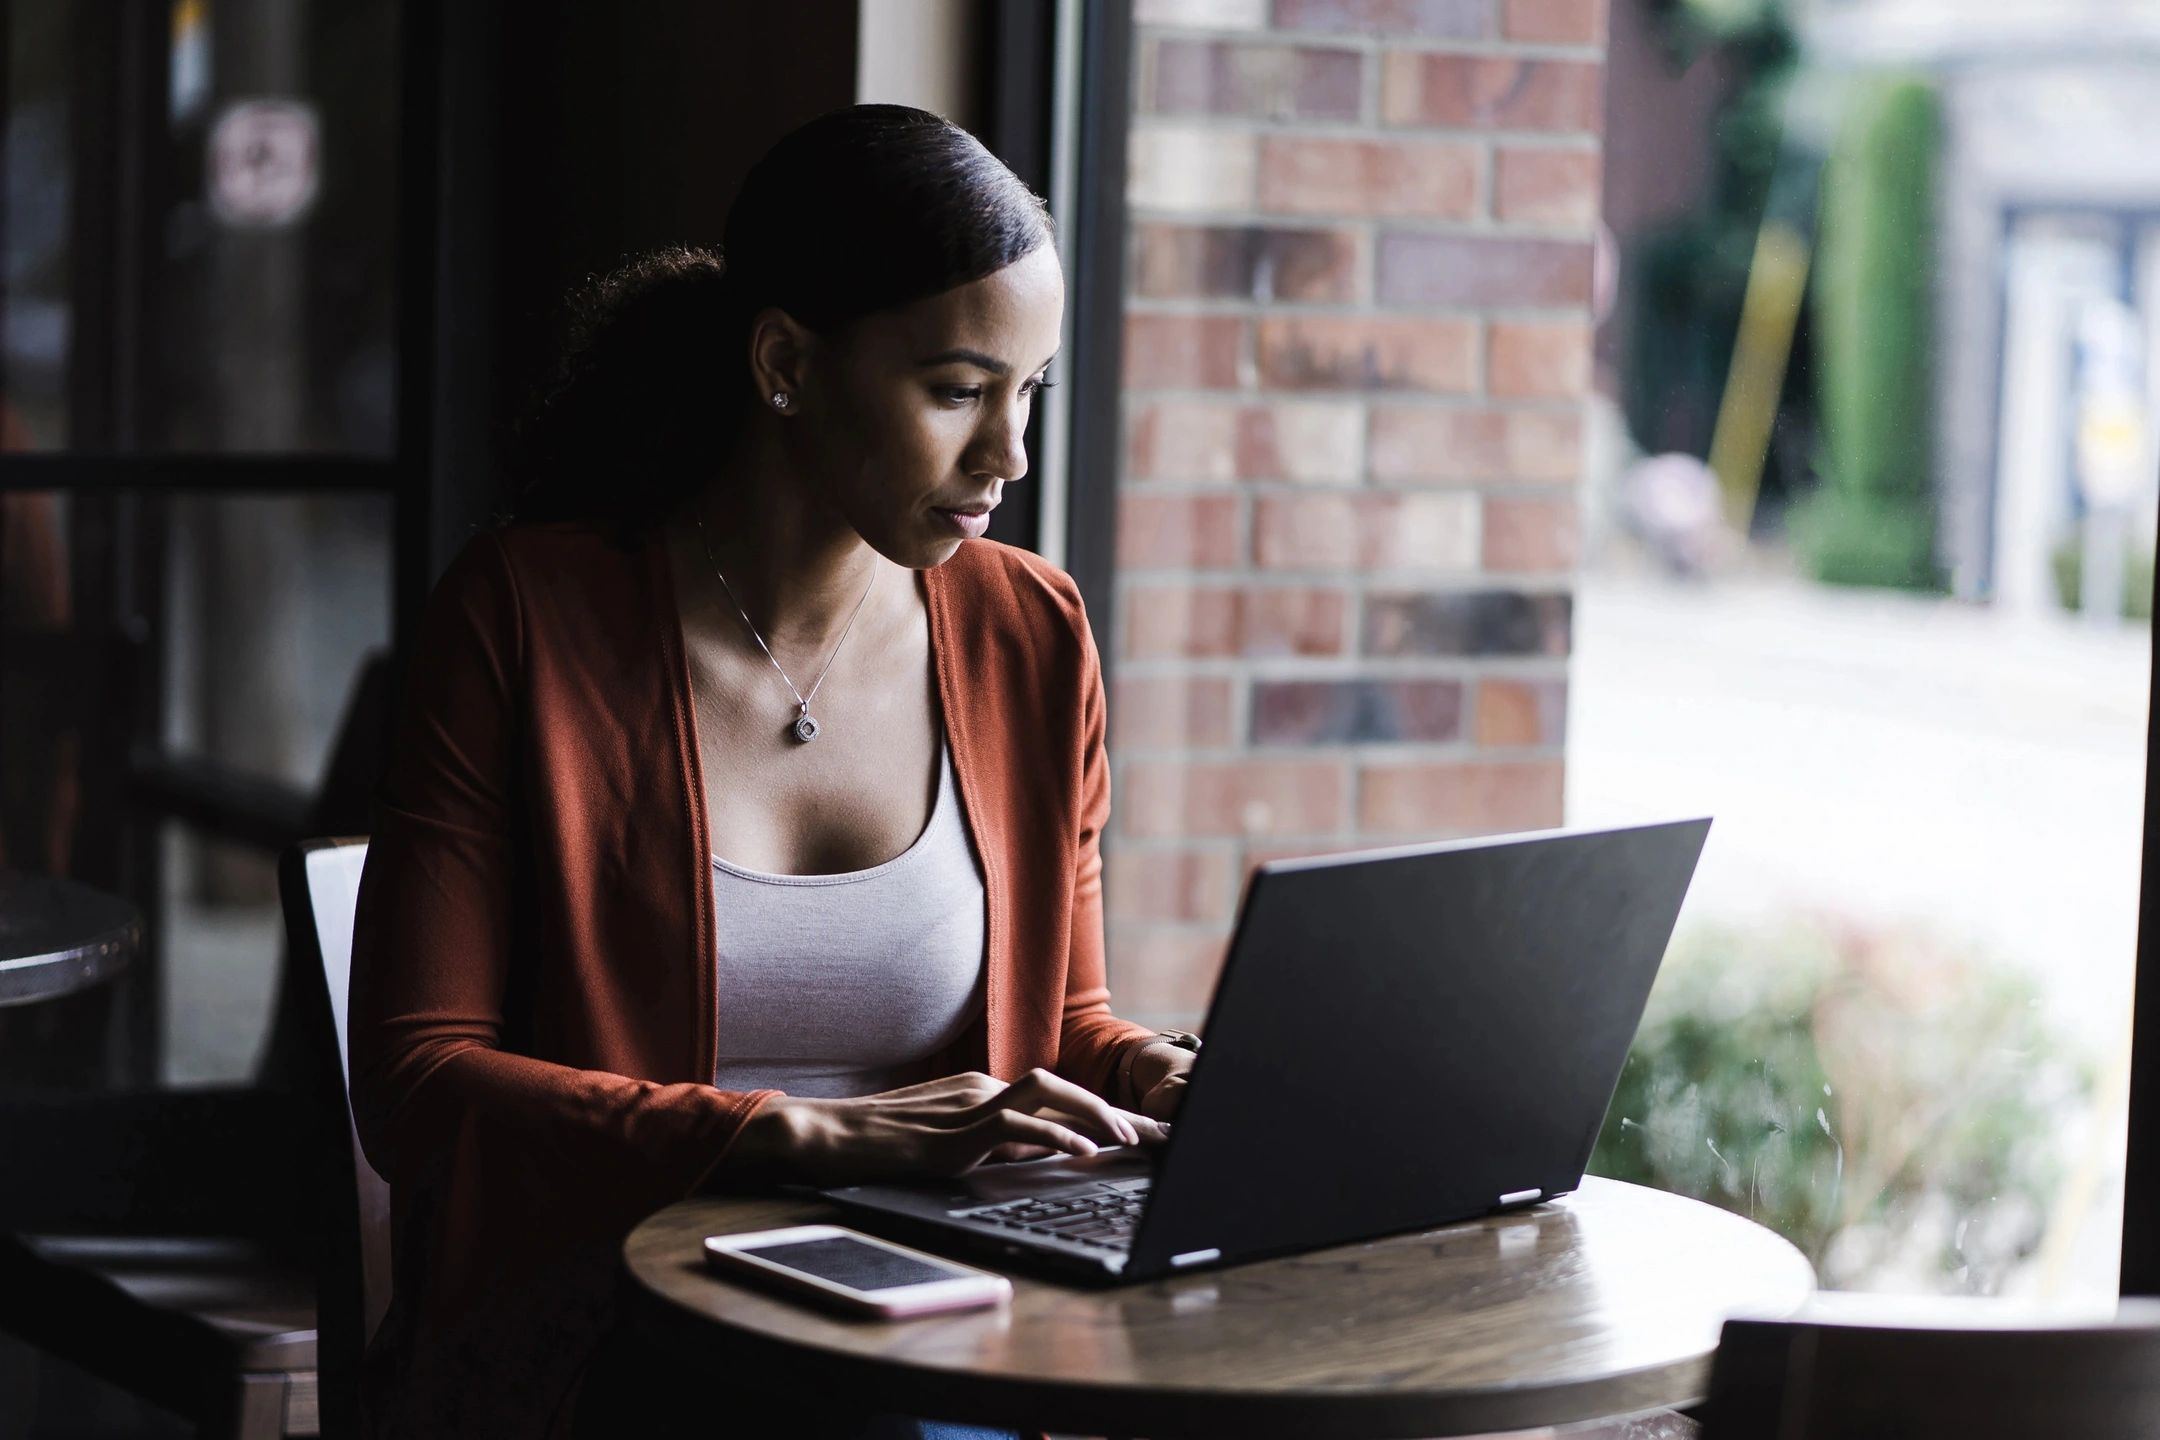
x: 548, y: 579
x: 1003, y: 585
x: 518, y: 555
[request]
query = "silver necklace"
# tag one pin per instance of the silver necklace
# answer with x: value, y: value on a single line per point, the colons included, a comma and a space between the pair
x: 805, y: 728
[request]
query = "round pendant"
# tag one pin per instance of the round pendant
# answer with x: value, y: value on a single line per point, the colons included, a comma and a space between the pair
x: 806, y: 728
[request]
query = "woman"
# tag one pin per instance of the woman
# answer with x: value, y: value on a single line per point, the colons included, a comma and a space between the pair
x: 744, y: 822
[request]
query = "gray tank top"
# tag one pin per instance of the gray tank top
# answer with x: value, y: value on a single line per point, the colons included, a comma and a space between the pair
x: 834, y: 985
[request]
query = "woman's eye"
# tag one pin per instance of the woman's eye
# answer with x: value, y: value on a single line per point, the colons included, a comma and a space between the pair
x: 968, y: 394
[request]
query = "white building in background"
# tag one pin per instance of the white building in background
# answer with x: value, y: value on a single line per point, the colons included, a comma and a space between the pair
x: 2049, y: 256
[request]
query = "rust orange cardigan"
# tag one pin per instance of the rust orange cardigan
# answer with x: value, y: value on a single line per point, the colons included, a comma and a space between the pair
x: 533, y: 1016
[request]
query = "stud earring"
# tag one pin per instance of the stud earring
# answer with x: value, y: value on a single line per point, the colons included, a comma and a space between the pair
x: 779, y: 400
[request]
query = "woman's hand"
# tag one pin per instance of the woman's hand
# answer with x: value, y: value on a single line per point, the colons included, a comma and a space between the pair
x: 1158, y: 1079
x: 941, y: 1127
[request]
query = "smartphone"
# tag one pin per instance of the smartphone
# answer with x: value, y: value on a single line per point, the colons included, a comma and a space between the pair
x: 859, y: 1274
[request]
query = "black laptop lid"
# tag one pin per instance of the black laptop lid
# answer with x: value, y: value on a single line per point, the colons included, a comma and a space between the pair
x: 1405, y: 1038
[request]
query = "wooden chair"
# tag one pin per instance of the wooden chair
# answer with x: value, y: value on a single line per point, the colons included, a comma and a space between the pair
x: 1977, y: 1379
x: 176, y: 1245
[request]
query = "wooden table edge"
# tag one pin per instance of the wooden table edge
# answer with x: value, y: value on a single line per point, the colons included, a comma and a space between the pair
x: 916, y: 1386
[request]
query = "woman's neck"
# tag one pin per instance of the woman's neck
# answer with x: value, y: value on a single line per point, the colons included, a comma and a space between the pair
x: 798, y: 569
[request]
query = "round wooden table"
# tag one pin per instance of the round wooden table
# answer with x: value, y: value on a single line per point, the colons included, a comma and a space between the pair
x: 57, y: 937
x: 1602, y: 1303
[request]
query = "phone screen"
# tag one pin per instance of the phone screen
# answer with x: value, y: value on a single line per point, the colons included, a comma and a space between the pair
x: 854, y: 1263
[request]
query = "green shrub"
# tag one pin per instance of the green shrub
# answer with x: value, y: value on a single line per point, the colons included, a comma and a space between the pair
x: 1859, y: 1093
x: 2068, y: 563
x: 1872, y: 521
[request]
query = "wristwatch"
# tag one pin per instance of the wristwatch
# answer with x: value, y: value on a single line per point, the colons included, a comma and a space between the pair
x: 1183, y: 1039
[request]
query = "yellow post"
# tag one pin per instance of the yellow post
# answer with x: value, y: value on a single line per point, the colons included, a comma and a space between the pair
x: 1777, y: 280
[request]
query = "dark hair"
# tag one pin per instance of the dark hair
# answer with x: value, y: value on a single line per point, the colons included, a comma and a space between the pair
x: 863, y: 210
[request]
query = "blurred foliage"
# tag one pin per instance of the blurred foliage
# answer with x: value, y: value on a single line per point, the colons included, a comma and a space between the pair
x: 1875, y: 1097
x: 1872, y: 522
x: 2068, y: 561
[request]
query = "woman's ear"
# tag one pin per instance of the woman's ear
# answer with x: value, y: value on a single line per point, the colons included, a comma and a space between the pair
x: 779, y: 360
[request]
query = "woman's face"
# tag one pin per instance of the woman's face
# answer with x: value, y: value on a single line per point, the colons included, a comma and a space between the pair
x: 912, y: 421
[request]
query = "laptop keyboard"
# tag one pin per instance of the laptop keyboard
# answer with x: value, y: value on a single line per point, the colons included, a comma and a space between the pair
x: 1093, y: 1217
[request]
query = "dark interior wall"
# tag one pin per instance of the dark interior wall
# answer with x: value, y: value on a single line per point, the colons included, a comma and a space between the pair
x: 578, y: 132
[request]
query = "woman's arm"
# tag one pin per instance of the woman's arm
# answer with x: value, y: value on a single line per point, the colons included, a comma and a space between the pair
x: 1095, y: 1048
x: 433, y: 956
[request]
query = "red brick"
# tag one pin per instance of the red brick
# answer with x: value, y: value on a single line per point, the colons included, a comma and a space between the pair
x: 1451, y: 445
x: 1182, y: 440
x: 1547, y: 187
x: 1197, y: 532
x: 1531, y: 534
x: 1354, y: 712
x: 1203, y: 14
x: 1187, y: 167
x: 1538, y: 358
x: 1212, y: 622
x: 1169, y: 712
x: 1156, y: 884
x: 1261, y: 82
x: 1233, y: 797
x: 1496, y: 92
x: 1245, y: 263
x: 1292, y: 620
x: 1334, y: 352
x: 1318, y: 441
x: 1444, y: 19
x: 1474, y: 622
x: 1435, y: 178
x: 1179, y: 620
x: 1521, y: 712
x: 1417, y: 268
x: 1164, y: 976
x: 1460, y: 799
x: 1384, y: 532
x: 1183, y: 351
x: 1555, y: 22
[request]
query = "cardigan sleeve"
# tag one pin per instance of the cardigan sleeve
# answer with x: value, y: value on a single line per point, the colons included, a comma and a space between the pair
x: 1092, y: 1042
x: 439, y: 1102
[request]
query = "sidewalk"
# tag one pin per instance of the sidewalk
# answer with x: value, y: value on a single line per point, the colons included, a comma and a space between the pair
x: 1881, y: 756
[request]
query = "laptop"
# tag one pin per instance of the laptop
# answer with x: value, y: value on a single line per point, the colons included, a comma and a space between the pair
x: 1399, y: 1039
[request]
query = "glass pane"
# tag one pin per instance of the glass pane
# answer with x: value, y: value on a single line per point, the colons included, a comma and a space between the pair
x: 1870, y: 581
x: 262, y: 615
x: 273, y: 607
x: 277, y: 278
x: 39, y: 159
x: 254, y: 310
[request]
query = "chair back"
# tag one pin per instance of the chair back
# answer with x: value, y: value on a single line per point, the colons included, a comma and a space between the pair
x: 1977, y: 1380
x: 319, y: 882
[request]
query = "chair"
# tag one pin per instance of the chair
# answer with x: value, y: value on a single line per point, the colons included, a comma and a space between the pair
x: 319, y: 882
x: 175, y: 1244
x: 1813, y: 1379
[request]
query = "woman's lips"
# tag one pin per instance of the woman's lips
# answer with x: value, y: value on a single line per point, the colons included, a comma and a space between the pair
x: 971, y: 523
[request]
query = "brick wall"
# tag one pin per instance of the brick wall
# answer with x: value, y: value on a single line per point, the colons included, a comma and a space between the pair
x: 1357, y: 341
